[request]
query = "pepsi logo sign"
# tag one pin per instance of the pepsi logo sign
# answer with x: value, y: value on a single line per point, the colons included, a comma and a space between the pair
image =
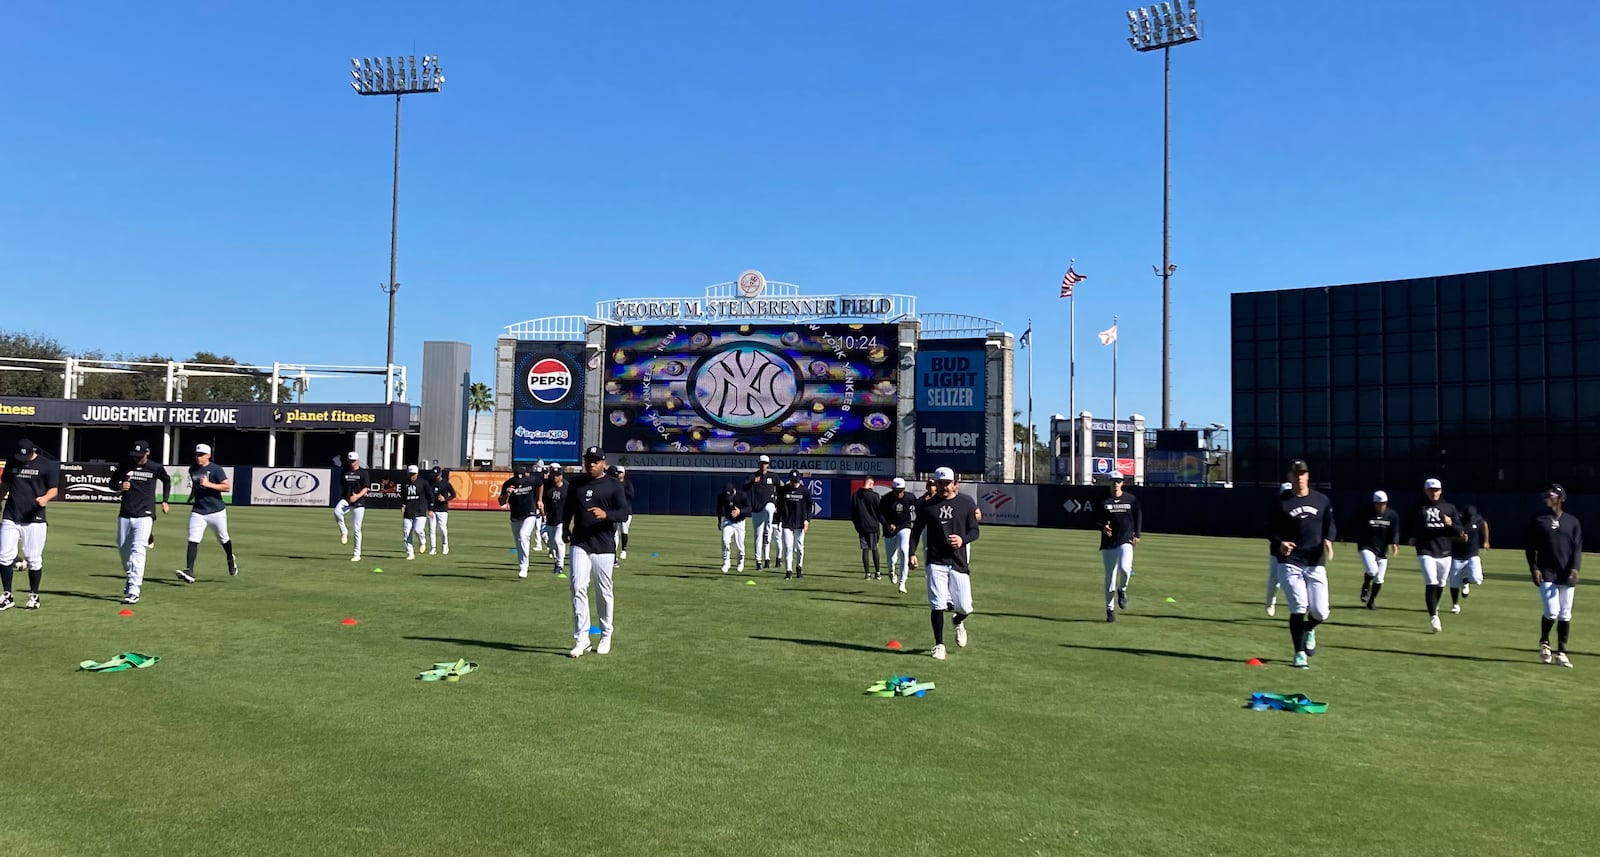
x: 549, y: 381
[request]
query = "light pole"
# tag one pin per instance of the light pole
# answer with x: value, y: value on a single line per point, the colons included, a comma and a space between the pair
x: 393, y: 76
x: 1161, y: 28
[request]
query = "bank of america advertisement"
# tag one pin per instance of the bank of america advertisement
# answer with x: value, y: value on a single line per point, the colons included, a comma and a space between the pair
x: 823, y: 392
x: 952, y: 388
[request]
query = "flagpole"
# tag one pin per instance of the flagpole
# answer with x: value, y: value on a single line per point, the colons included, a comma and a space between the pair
x: 1072, y: 373
x: 1116, y: 448
x: 1027, y: 443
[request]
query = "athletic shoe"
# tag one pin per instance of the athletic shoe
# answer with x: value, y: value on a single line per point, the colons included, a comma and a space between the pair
x: 521, y: 572
x: 605, y: 645
x: 1111, y: 615
x: 33, y: 604
x: 877, y: 576
x: 1466, y: 589
x: 1563, y: 661
x: 724, y: 569
x: 1544, y: 654
x: 1300, y: 662
x: 1433, y: 622
x: 579, y: 649
x: 130, y: 599
x: 1272, y: 607
x: 1311, y: 642
x: 446, y: 550
x: 1455, y: 608
x: 1372, y: 604
x: 622, y: 555
x: 787, y: 575
x: 233, y: 567
x: 355, y: 558
x: 410, y: 555
x: 938, y: 652
x: 185, y: 576
x: 433, y: 551
x: 902, y: 586
x: 800, y: 571
x: 1366, y: 586
x: 741, y: 568
x: 6, y: 603
x: 344, y: 538
x: 961, y: 636
x: 1122, y: 599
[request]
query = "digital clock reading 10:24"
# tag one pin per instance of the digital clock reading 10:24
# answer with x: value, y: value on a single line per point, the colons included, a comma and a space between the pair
x: 855, y: 342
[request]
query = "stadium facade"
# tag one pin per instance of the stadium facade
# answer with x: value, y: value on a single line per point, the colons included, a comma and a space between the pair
x: 1488, y: 380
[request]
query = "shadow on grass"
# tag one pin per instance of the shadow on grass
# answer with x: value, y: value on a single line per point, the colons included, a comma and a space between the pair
x: 832, y: 644
x: 149, y: 580
x: 920, y: 602
x: 1160, y: 653
x: 65, y: 593
x: 493, y: 644
x: 511, y: 576
x: 1445, y: 655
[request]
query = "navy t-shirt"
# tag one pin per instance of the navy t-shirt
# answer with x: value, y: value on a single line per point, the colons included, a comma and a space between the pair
x: 28, y: 481
x: 206, y: 500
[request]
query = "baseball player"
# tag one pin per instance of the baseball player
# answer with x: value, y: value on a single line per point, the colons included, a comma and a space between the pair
x: 1555, y: 553
x: 1466, y: 566
x: 208, y: 483
x: 951, y: 521
x: 1121, y: 520
x: 29, y: 482
x: 621, y: 475
x: 1377, y: 538
x: 555, y: 495
x: 439, y: 524
x: 898, y: 512
x: 416, y: 507
x: 1273, y: 577
x: 794, y: 513
x: 539, y: 473
x: 864, y: 517
x: 520, y: 494
x: 762, y: 488
x: 137, y: 481
x: 1434, y: 526
x: 353, y: 486
x: 595, y: 506
x: 1301, y: 532
x: 733, y: 509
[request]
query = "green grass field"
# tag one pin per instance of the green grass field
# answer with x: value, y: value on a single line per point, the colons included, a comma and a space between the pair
x: 730, y: 719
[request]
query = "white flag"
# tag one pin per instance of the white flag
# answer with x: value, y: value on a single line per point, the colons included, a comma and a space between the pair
x: 1109, y: 335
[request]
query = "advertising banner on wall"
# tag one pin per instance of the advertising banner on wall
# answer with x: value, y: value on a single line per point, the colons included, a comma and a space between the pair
x: 547, y: 435
x: 953, y: 440
x: 550, y: 376
x: 1103, y: 467
x: 477, y: 490
x: 245, y: 415
x: 183, y: 486
x: 290, y: 486
x: 951, y: 377
x: 824, y: 392
x: 90, y: 483
x: 1174, y: 468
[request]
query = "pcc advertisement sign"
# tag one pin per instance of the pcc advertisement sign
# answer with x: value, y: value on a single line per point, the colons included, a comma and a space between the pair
x: 290, y: 486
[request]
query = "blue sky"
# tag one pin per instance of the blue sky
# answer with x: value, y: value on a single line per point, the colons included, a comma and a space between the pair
x: 184, y: 176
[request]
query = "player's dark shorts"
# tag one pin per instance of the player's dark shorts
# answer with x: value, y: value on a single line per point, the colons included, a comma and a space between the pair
x: 869, y: 541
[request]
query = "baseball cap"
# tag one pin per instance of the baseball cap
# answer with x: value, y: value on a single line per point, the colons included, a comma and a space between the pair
x: 1554, y: 489
x: 1117, y: 477
x: 25, y: 448
x: 1299, y: 466
x: 594, y: 453
x: 944, y: 474
x: 794, y: 474
x: 764, y: 460
x: 140, y: 447
x: 1433, y: 483
x: 202, y: 449
x: 1285, y: 487
x: 412, y: 469
x: 1380, y: 497
x: 898, y: 482
x: 353, y: 456
x: 621, y: 469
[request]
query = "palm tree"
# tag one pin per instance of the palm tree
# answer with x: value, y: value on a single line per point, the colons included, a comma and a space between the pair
x: 479, y: 400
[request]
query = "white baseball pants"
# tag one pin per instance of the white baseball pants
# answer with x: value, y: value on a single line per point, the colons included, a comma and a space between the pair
x: 1557, y: 601
x: 1435, y: 570
x: 763, y: 521
x: 949, y: 589
x: 900, y: 555
x: 439, y: 528
x: 1306, y: 589
x: 558, y: 551
x: 1119, y: 570
x: 359, y: 513
x: 1376, y: 565
x: 216, y: 521
x: 133, y: 535
x: 794, y: 548
x: 1469, y: 570
x: 523, y: 530
x: 600, y: 566
x: 732, y: 537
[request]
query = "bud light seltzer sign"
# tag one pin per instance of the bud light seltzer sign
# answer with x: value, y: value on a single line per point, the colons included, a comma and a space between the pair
x: 951, y: 400
x: 951, y: 381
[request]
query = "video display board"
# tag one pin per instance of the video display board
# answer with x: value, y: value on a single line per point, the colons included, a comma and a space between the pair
x: 784, y: 390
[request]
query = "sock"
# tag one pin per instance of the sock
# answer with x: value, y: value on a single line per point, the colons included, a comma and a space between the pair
x: 194, y: 550
x: 1297, y: 631
x: 1373, y: 595
x: 1455, y: 595
x: 1562, y: 627
x: 33, y: 579
x: 1312, y: 622
x: 1546, y: 624
x: 1430, y: 597
x: 938, y: 626
x: 959, y: 618
x: 227, y: 548
x: 624, y: 541
x: 7, y: 570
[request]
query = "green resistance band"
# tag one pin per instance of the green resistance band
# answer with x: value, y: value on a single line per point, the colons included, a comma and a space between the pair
x: 448, y: 671
x: 124, y: 661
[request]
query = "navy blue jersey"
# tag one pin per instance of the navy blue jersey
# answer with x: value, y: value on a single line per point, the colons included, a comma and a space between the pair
x: 1124, y: 515
x: 139, y: 499
x: 1306, y: 522
x: 583, y: 529
x: 206, y: 500
x: 1376, y: 531
x: 24, y: 483
x: 1555, y: 547
x: 942, y: 517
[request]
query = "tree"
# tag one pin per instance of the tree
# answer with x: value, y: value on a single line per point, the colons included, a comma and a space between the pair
x: 1025, y: 443
x: 479, y: 400
x: 20, y: 379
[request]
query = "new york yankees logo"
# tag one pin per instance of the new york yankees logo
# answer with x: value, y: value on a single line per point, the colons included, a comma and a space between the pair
x: 745, y: 386
x: 946, y: 513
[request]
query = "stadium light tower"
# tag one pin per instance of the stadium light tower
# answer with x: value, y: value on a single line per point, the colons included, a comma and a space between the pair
x: 398, y: 77
x: 1162, y: 28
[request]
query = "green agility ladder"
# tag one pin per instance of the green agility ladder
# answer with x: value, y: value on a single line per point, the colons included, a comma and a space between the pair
x: 124, y: 661
x: 448, y: 671
x: 900, y: 686
x: 1298, y: 703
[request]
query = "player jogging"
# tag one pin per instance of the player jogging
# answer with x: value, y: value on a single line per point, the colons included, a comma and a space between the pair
x: 794, y: 511
x: 1301, y: 532
x: 208, y: 482
x: 1555, y: 552
x: 353, y: 487
x: 1121, y: 520
x: 1273, y: 577
x: 519, y: 494
x: 595, y: 505
x: 30, y: 482
x: 898, y: 512
x: 1466, y: 566
x: 137, y: 481
x: 623, y: 527
x: 762, y: 489
x: 1434, y: 526
x: 864, y: 517
x: 733, y: 509
x: 1377, y: 538
x: 554, y: 495
x: 951, y: 522
x: 416, y: 502
x: 439, y: 526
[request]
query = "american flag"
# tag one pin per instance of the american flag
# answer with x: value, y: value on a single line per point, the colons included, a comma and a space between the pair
x: 1071, y: 279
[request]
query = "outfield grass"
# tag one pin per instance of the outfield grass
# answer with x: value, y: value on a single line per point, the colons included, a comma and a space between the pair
x: 729, y: 719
